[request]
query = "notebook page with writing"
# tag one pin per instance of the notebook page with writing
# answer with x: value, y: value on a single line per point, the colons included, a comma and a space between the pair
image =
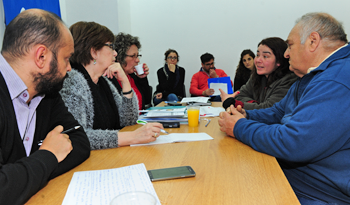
x: 101, y: 186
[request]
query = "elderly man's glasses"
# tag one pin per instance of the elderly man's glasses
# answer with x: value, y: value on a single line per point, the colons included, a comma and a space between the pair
x: 135, y: 56
x: 172, y: 58
x: 110, y: 45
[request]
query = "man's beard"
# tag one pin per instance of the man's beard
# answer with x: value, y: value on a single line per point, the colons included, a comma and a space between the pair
x: 49, y: 82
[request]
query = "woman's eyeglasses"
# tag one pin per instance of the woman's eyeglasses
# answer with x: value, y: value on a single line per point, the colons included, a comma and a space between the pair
x: 110, y: 45
x: 135, y: 56
x: 172, y: 58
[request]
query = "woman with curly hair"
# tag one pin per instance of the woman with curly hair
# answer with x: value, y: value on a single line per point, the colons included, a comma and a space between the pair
x: 270, y: 79
x: 127, y: 47
x: 171, y: 79
x: 244, y: 69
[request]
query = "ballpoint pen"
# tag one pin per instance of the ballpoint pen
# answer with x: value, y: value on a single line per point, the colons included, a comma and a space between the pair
x: 207, y: 123
x: 64, y: 132
x: 141, y: 122
x: 70, y: 130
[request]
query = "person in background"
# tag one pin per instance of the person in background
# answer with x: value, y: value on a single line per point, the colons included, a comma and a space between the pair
x: 34, y: 61
x: 199, y: 81
x: 244, y: 69
x: 270, y: 79
x: 171, y: 79
x: 308, y: 130
x: 93, y: 100
x: 127, y: 47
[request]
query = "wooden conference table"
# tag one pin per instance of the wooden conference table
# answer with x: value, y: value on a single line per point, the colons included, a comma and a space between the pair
x: 227, y: 171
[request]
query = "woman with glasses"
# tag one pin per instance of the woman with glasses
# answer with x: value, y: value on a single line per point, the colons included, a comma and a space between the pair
x: 127, y: 47
x: 93, y: 100
x: 171, y: 79
x: 270, y: 79
x: 244, y: 69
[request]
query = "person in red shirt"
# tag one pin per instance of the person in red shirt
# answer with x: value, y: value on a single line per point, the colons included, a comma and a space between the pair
x: 199, y: 82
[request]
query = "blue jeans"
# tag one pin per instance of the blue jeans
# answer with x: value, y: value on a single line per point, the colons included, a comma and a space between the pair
x: 171, y: 97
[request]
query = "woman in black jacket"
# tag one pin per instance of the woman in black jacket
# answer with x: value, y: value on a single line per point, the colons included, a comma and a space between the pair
x: 171, y: 79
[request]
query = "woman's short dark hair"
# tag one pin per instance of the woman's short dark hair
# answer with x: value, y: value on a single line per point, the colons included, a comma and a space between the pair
x: 122, y: 43
x: 278, y: 47
x: 241, y: 68
x: 171, y: 51
x: 87, y: 36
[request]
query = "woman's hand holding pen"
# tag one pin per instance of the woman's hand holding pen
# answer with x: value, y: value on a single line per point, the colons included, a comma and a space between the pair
x: 145, y: 134
x: 57, y: 143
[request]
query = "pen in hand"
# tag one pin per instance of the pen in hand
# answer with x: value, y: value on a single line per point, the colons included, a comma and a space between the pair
x: 64, y: 132
x: 141, y: 122
x: 70, y: 130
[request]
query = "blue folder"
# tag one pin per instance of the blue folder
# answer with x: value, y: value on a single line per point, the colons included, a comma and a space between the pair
x: 226, y: 80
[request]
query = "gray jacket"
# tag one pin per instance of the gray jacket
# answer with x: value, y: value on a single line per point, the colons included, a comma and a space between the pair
x: 274, y: 93
x: 77, y: 96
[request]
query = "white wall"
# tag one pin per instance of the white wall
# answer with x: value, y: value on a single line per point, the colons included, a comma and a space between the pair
x: 193, y: 27
x: 222, y: 27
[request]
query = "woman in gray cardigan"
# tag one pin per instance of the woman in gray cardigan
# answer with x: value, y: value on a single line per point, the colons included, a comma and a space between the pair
x: 270, y: 81
x: 93, y: 100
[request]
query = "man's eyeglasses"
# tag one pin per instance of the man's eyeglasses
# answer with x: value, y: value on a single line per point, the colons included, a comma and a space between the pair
x: 110, y: 45
x: 172, y: 58
x: 209, y: 64
x: 135, y: 56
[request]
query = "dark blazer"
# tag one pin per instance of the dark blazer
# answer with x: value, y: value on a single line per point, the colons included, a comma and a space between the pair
x: 22, y: 176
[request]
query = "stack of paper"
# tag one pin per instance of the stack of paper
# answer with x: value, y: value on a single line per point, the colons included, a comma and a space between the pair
x: 196, y: 100
x: 180, y: 112
x: 101, y: 186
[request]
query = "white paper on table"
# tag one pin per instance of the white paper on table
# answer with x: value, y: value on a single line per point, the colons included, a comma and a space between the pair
x: 101, y: 186
x: 195, y: 99
x: 217, y: 86
x: 178, y: 137
x: 209, y: 111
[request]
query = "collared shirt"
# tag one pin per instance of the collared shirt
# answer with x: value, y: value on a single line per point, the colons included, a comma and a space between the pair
x: 25, y: 113
x: 313, y: 68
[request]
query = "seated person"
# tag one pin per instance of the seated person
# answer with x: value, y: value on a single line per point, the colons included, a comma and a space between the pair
x: 171, y: 79
x: 93, y: 100
x: 270, y: 80
x: 199, y: 82
x: 308, y: 130
x: 244, y: 69
x: 127, y: 47
x: 33, y: 64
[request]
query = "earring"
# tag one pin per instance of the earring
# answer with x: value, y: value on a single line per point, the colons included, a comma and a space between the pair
x: 94, y: 61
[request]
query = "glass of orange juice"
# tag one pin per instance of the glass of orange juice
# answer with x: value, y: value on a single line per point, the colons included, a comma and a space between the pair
x: 193, y: 115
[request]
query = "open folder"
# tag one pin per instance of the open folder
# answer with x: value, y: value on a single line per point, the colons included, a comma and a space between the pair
x: 223, y: 83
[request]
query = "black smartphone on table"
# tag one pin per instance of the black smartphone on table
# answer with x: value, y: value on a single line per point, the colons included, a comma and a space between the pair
x: 171, y: 173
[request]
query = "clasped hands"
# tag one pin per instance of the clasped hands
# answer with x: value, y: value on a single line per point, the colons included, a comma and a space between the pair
x: 229, y: 118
